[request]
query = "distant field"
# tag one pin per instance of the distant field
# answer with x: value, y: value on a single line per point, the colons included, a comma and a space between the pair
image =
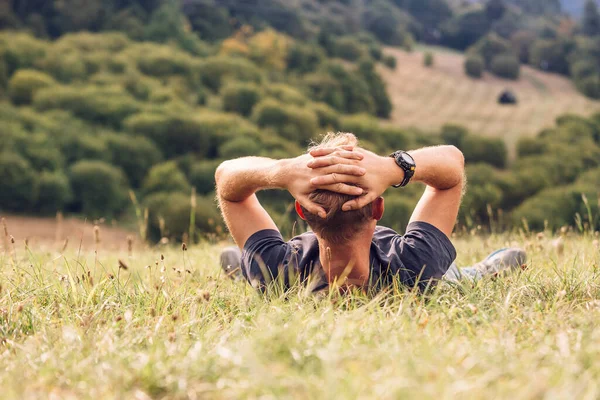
x: 428, y: 98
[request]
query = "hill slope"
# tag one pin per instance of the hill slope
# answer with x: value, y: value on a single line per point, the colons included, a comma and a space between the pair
x: 428, y: 98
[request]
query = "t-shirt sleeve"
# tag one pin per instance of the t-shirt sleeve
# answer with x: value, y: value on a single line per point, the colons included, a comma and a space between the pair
x: 263, y: 257
x: 426, y: 253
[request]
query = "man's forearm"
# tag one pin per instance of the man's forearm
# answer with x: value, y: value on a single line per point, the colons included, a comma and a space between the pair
x: 240, y: 178
x: 440, y: 167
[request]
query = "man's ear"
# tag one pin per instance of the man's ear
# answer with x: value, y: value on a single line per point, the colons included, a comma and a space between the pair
x: 299, y: 210
x: 378, y: 208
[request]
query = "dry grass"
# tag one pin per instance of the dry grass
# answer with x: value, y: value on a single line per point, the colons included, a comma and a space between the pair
x: 165, y: 323
x: 428, y: 98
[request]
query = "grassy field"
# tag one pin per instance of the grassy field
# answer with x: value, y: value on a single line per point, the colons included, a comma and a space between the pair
x: 168, y: 324
x: 428, y: 98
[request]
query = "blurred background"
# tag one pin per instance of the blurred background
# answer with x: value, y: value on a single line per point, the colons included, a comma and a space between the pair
x: 118, y: 112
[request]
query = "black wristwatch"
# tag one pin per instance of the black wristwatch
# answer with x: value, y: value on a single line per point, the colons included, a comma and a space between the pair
x: 407, y: 163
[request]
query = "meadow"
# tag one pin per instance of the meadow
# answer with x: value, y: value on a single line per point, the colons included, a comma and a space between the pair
x: 164, y: 322
x: 429, y: 97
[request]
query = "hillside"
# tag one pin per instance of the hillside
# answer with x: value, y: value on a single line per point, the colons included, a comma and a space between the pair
x: 428, y: 98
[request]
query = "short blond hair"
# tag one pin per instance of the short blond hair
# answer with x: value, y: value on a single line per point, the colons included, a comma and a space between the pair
x: 338, y: 226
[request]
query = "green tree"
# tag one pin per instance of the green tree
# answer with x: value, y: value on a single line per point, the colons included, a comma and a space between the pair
x: 591, y: 19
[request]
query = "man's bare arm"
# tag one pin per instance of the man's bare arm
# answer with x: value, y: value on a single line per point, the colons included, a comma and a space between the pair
x: 441, y: 168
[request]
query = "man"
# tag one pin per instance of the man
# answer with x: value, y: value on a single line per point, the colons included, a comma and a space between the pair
x: 338, y: 188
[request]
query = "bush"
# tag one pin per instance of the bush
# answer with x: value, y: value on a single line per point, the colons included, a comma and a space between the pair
x: 488, y: 150
x: 99, y: 189
x: 202, y: 176
x: 490, y: 47
x: 398, y: 210
x: 66, y: 66
x: 165, y: 177
x: 555, y: 206
x: 530, y: 146
x: 18, y: 183
x: 377, y: 89
x: 390, y: 61
x: 239, y: 147
x: 25, y: 83
x: 506, y: 66
x: 101, y: 105
x: 552, y: 55
x: 216, y: 70
x: 589, y: 86
x: 135, y: 155
x: 175, y: 209
x: 349, y: 49
x: 54, y: 192
x: 483, y: 191
x: 292, y: 123
x: 21, y: 51
x: 474, y: 66
x: 286, y: 94
x: 368, y: 128
x: 327, y: 116
x: 240, y: 97
x: 304, y: 58
x: 428, y: 59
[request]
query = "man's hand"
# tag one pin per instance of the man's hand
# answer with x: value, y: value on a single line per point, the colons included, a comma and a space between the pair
x: 380, y: 173
x: 297, y: 175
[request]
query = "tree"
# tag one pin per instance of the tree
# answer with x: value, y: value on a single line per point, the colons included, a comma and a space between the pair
x: 494, y: 9
x: 591, y: 19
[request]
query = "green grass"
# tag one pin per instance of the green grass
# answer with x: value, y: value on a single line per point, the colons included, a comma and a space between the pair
x: 163, y: 332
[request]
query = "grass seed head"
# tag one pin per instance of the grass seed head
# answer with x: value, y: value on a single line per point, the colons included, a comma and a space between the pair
x: 96, y: 234
x: 183, y: 246
x: 12, y: 239
x: 541, y: 236
x: 122, y: 265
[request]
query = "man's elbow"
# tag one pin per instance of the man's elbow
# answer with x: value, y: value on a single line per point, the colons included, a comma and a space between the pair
x: 220, y: 172
x: 458, y: 158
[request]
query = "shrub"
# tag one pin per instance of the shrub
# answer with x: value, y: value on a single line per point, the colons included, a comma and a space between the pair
x: 368, y: 128
x: 102, y: 105
x: 25, y: 83
x: 166, y: 178
x: 506, y: 66
x: 377, y: 89
x: 327, y: 116
x: 99, y: 189
x: 135, y: 155
x: 18, y: 183
x: 42, y: 153
x: 454, y: 134
x: 397, y: 212
x: 292, y: 123
x: 390, y: 61
x: 356, y: 91
x: 54, y: 192
x: 530, y: 146
x: 286, y: 94
x: 22, y: 51
x: 66, y: 66
x: 175, y: 209
x: 239, y: 147
x: 162, y: 60
x: 240, y: 97
x: 490, y: 47
x: 325, y: 88
x: 552, y: 55
x: 202, y: 176
x: 555, y: 206
x: 201, y: 133
x: 589, y: 86
x: 488, y: 150
x: 304, y: 58
x: 349, y: 49
x: 216, y: 70
x: 428, y: 59
x: 483, y: 191
x: 474, y: 66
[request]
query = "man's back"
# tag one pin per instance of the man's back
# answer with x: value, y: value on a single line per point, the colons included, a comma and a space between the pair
x: 423, y: 254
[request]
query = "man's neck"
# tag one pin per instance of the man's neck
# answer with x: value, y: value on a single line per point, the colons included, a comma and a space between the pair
x: 348, y: 263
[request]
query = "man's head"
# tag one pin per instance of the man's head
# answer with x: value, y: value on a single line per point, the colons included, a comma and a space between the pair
x: 339, y: 226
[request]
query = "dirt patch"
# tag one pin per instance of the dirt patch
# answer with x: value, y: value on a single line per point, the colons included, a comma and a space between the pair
x: 70, y: 232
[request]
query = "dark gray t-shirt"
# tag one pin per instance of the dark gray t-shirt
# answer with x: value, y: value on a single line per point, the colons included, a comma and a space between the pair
x: 421, y: 256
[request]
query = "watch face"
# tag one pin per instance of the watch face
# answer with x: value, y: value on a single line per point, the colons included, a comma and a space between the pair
x: 407, y: 158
